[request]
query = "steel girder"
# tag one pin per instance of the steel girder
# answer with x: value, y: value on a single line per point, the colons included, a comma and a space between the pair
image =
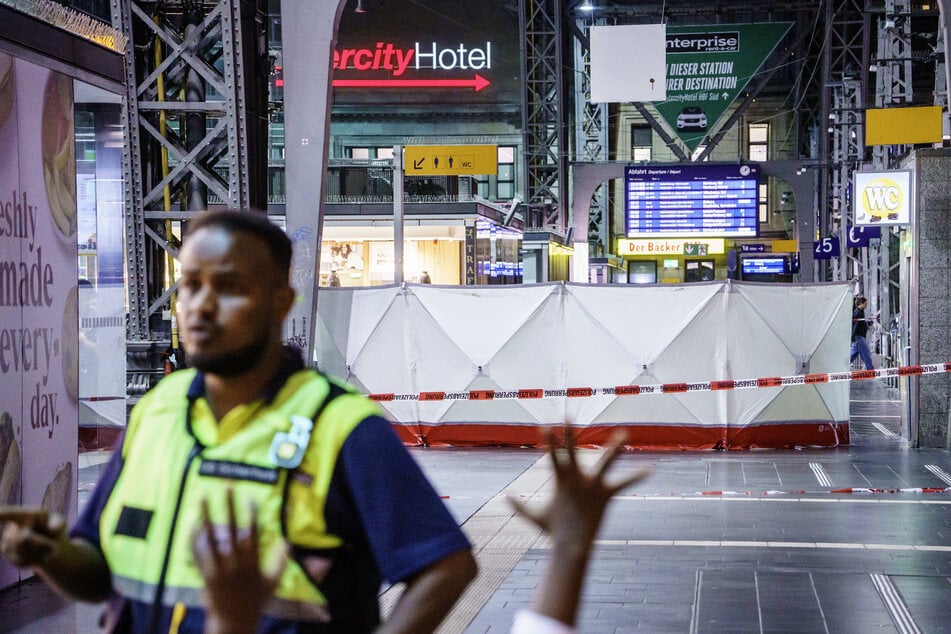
x: 845, y: 55
x: 178, y: 68
x: 544, y: 112
x: 591, y: 133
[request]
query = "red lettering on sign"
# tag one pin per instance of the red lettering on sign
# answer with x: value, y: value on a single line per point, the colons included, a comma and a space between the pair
x: 858, y: 375
x: 674, y: 387
x: 722, y: 385
x: 773, y: 381
x: 432, y: 396
x: 530, y: 393
x: 909, y: 370
x: 817, y: 378
x: 381, y: 397
x: 622, y: 390
x: 481, y: 395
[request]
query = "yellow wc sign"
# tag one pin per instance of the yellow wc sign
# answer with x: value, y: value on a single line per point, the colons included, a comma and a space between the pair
x: 882, y: 198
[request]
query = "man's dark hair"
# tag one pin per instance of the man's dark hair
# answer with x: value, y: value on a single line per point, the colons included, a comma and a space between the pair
x: 252, y: 223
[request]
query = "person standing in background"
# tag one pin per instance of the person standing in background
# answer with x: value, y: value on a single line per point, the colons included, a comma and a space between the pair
x: 859, y: 330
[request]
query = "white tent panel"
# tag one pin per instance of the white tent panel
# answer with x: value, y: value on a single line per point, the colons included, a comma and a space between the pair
x: 754, y: 351
x: 799, y: 315
x: 480, y: 320
x: 534, y: 358
x: 494, y: 411
x: 799, y: 403
x: 384, y: 363
x: 441, y: 365
x: 643, y: 319
x: 552, y: 337
x: 347, y: 317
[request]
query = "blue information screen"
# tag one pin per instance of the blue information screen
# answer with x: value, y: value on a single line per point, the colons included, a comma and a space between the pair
x: 764, y: 266
x: 698, y: 200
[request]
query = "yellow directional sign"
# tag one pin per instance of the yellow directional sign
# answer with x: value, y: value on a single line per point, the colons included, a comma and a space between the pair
x: 446, y: 160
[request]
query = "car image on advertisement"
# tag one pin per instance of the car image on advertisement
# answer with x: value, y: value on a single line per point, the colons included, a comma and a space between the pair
x: 692, y: 118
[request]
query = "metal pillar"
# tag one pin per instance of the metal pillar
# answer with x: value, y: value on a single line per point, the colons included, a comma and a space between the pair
x: 186, y: 122
x: 844, y: 58
x: 893, y: 87
x: 591, y: 138
x: 544, y: 112
x: 848, y: 138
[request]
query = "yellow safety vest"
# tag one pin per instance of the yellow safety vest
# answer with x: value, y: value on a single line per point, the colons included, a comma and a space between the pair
x: 153, y: 512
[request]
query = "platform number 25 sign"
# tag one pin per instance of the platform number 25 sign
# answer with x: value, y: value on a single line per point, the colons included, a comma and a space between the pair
x: 825, y: 249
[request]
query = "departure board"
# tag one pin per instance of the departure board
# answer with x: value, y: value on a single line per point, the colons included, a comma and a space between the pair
x: 698, y: 200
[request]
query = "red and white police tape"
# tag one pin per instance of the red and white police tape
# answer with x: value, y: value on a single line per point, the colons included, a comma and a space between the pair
x: 667, y: 388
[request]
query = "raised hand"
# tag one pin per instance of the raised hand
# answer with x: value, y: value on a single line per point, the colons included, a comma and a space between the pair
x: 574, y: 513
x: 236, y: 585
x: 571, y: 517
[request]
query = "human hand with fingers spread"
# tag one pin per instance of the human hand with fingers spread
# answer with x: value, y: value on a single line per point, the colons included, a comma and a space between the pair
x: 236, y: 584
x: 571, y: 518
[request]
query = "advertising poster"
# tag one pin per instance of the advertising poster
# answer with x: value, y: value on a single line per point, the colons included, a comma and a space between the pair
x: 39, y: 359
x: 707, y: 68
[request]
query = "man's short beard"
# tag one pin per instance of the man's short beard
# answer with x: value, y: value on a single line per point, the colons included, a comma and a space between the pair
x: 232, y: 363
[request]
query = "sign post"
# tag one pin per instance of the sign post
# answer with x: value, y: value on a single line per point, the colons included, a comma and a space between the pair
x: 398, y: 214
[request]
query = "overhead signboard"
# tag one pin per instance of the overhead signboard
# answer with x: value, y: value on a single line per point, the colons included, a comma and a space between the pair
x: 613, y: 78
x: 451, y: 160
x: 714, y: 246
x: 692, y: 199
x: 882, y: 198
x: 859, y: 237
x: 826, y: 249
x: 426, y: 53
x: 888, y: 126
x: 707, y: 67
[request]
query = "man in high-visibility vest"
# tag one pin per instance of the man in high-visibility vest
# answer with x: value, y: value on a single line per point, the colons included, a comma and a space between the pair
x: 249, y: 432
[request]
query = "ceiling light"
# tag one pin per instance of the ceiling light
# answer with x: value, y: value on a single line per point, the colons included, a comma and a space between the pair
x: 360, y: 8
x: 586, y: 6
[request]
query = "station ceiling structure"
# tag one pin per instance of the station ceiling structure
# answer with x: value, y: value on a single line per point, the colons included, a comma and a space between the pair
x: 197, y: 111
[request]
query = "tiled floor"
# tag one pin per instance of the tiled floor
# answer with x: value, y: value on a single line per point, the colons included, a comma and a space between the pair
x: 852, y: 539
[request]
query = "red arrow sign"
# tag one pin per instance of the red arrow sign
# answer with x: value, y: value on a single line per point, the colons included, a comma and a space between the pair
x: 478, y: 83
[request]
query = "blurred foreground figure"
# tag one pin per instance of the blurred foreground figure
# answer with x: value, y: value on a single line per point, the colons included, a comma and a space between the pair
x: 309, y: 462
x: 571, y: 518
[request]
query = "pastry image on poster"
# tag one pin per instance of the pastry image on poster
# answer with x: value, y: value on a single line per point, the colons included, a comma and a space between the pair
x: 59, y: 153
x: 9, y: 462
x: 69, y: 344
x: 57, y: 495
x: 6, y: 88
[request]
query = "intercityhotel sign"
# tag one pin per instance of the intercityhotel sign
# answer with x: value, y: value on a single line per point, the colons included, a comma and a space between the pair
x: 422, y: 65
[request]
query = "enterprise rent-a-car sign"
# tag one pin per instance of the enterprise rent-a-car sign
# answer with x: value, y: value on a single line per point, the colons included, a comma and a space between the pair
x: 700, y: 200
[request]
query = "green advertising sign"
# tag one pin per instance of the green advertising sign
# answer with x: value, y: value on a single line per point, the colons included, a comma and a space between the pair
x: 707, y: 67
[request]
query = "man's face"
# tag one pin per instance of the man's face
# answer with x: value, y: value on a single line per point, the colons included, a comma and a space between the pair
x: 231, y: 301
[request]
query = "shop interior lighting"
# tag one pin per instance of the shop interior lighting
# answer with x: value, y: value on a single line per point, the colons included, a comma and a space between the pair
x: 586, y: 6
